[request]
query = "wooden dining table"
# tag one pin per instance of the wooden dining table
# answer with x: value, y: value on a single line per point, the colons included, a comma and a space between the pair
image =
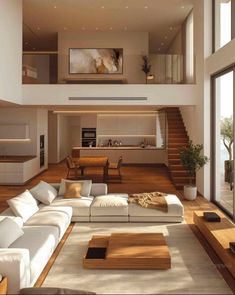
x: 94, y: 162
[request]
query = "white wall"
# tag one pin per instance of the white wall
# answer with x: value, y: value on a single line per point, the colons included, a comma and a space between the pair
x: 134, y: 44
x: 11, y: 50
x: 59, y: 146
x: 75, y: 131
x: 52, y: 138
x: 42, y: 129
x: 20, y: 116
x: 41, y: 63
x: 63, y: 137
x: 171, y: 95
x: 197, y: 118
x: 221, y: 59
x: 176, y: 45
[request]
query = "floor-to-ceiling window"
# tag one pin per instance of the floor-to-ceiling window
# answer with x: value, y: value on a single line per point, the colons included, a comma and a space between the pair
x: 224, y: 30
x: 223, y: 134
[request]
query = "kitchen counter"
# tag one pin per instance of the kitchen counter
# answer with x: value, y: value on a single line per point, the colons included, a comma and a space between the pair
x: 15, y: 159
x: 17, y: 170
x: 116, y: 147
x: 130, y: 154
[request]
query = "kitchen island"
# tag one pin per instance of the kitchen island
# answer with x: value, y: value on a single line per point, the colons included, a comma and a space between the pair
x: 17, y: 169
x: 130, y: 154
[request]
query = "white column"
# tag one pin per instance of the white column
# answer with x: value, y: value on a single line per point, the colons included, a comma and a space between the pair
x: 11, y: 50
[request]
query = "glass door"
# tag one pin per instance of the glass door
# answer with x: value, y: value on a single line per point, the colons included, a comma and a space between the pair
x: 223, y: 134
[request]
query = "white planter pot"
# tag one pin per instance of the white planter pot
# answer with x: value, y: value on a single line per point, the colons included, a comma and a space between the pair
x: 190, y: 192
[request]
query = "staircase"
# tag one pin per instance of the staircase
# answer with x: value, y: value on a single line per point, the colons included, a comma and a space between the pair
x: 177, y: 138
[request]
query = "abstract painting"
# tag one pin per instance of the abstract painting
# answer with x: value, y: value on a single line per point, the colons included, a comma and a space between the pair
x: 95, y: 61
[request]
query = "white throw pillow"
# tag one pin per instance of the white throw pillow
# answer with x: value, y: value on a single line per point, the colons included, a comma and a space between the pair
x: 44, y: 192
x: 24, y: 205
x: 86, y: 187
x: 9, y: 232
x: 17, y: 220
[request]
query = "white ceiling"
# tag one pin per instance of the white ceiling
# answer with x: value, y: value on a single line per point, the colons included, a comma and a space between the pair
x: 44, y: 18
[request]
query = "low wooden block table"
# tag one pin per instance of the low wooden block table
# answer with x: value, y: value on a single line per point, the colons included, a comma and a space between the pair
x: 218, y: 234
x: 128, y: 251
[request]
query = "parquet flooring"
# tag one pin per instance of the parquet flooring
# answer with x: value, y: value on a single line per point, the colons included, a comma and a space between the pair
x: 135, y: 179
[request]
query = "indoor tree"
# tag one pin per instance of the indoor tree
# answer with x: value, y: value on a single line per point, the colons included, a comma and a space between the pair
x: 192, y: 160
x: 226, y: 131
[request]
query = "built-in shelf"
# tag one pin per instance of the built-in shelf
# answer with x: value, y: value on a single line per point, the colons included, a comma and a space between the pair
x: 15, y: 140
x: 14, y: 133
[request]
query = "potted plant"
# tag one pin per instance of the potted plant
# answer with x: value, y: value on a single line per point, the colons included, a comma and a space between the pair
x: 192, y: 161
x: 226, y: 131
x: 146, y: 67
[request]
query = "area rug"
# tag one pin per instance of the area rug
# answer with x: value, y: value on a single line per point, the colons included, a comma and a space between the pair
x: 192, y: 270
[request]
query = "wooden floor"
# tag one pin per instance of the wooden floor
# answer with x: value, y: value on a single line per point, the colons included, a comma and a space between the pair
x: 135, y: 179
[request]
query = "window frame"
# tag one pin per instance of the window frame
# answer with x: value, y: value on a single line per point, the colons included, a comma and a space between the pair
x: 230, y: 68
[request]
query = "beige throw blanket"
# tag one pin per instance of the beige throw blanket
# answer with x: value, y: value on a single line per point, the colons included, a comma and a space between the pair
x: 154, y: 200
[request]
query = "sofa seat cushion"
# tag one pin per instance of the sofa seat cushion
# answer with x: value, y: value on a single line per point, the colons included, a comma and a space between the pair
x: 175, y: 208
x: 41, y: 241
x: 52, y: 215
x: 80, y: 206
x: 110, y: 205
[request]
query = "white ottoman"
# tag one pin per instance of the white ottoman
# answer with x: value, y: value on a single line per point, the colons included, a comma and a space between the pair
x: 111, y: 208
x: 175, y: 212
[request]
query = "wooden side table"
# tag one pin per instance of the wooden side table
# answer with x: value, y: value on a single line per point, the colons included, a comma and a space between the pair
x: 3, y: 286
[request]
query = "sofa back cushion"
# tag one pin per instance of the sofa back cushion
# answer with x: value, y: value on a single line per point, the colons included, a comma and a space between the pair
x: 10, y: 231
x: 44, y: 192
x: 86, y: 186
x: 24, y: 205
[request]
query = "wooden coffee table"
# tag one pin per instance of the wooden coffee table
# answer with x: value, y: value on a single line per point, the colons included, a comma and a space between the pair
x: 128, y: 251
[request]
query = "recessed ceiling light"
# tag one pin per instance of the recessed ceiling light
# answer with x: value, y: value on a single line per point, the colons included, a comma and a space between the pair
x: 146, y: 7
x: 55, y: 6
x: 162, y: 43
x: 127, y: 7
x: 102, y: 7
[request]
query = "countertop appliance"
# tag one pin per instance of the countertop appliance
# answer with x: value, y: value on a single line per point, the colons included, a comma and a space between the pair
x: 88, y: 137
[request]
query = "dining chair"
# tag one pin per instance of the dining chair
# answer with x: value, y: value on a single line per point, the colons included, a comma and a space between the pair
x: 71, y: 167
x: 116, y: 166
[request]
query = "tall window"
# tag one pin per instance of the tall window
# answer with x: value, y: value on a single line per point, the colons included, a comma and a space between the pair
x: 223, y: 134
x: 223, y: 22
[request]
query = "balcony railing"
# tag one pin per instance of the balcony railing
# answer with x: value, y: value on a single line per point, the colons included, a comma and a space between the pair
x: 165, y: 69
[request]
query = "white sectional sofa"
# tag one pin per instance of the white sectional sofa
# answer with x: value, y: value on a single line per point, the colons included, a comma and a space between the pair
x: 23, y: 261
x: 103, y: 207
